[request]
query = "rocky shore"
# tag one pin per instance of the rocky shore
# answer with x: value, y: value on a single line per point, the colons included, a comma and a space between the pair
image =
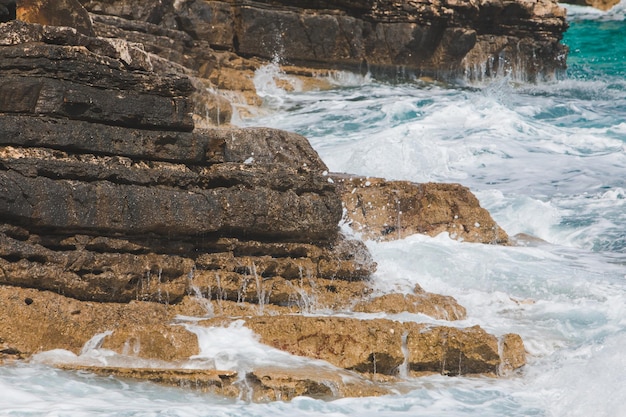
x: 127, y: 207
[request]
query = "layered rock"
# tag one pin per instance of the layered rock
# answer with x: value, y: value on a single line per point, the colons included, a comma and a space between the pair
x: 153, y: 346
x: 387, y: 210
x: 385, y: 346
x: 391, y: 38
x: 119, y: 215
x: 118, y: 200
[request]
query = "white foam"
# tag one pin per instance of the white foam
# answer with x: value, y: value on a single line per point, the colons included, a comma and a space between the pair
x: 616, y: 13
x: 237, y: 348
x: 546, y: 160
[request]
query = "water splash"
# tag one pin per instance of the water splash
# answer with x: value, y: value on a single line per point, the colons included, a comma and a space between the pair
x: 272, y: 84
x: 95, y: 342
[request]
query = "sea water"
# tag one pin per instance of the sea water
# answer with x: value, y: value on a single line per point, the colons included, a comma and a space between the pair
x: 547, y: 160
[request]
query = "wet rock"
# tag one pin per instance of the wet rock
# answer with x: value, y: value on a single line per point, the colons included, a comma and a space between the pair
x: 452, y: 351
x: 53, y: 321
x: 114, y: 207
x: 205, y: 380
x: 388, y: 210
x: 260, y: 385
x: 513, y: 353
x: 385, y: 346
x: 434, y: 305
x: 8, y: 353
x: 303, y: 294
x: 119, y: 214
x: 271, y: 384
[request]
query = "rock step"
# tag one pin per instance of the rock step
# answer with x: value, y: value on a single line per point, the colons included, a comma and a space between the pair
x: 118, y: 270
x: 48, y: 96
x: 202, y: 147
x: 39, y: 320
x: 258, y: 385
x: 389, y: 347
x: 106, y: 208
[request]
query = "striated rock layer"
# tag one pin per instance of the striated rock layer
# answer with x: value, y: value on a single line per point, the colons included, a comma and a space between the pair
x: 107, y: 195
x: 387, y: 37
x: 119, y: 215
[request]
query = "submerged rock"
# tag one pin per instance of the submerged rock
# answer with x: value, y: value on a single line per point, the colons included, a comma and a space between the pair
x: 259, y: 385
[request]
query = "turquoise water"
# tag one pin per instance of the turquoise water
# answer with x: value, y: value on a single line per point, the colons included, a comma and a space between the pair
x: 597, y: 49
x: 546, y: 159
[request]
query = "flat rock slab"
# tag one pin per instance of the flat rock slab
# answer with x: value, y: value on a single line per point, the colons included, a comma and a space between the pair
x: 388, y: 347
x: 58, y: 98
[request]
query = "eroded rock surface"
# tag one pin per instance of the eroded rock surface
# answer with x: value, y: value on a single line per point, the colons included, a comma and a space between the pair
x: 386, y: 347
x: 388, y: 210
x: 437, y: 39
x: 119, y: 215
x: 119, y: 200
x: 33, y: 321
x: 420, y: 302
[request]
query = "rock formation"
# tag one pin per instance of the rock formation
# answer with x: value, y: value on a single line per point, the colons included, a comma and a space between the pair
x: 118, y: 200
x: 386, y: 210
x: 119, y: 215
x: 387, y: 37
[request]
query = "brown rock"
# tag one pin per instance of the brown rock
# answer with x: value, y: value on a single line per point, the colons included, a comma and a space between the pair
x: 513, y: 353
x: 119, y: 213
x: 452, y: 351
x: 118, y: 270
x: 286, y: 384
x: 33, y: 321
x: 434, y: 305
x: 55, y: 13
x: 8, y: 353
x: 261, y: 385
x: 386, y: 210
x: 205, y: 380
x: 297, y: 295
x: 382, y: 346
x: 372, y: 346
